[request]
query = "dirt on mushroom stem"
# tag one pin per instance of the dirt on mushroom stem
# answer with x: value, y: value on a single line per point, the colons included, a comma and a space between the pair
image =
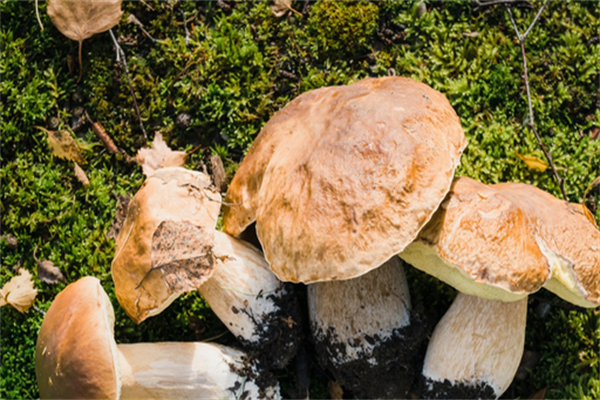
x: 393, y: 362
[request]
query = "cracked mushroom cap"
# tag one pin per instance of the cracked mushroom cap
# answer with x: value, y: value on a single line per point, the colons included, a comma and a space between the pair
x: 343, y: 178
x: 76, y: 354
x: 507, y: 240
x: 165, y: 245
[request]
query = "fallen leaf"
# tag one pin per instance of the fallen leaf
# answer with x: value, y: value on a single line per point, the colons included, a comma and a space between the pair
x: 47, y: 271
x: 218, y: 173
x: 335, y: 391
x: 282, y: 7
x: 595, y: 133
x: 539, y: 395
x: 159, y: 156
x: 80, y: 175
x: 534, y: 163
x: 586, y: 211
x: 63, y: 145
x: 19, y: 292
x: 79, y: 20
x: 183, y: 252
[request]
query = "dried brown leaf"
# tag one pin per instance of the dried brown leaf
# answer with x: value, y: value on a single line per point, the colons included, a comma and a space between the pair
x: 183, y: 253
x: 49, y: 273
x: 282, y: 7
x: 218, y: 173
x: 79, y: 20
x: 80, y: 174
x: 586, y: 211
x: 63, y: 145
x: 159, y: 156
x: 534, y: 163
x: 19, y: 292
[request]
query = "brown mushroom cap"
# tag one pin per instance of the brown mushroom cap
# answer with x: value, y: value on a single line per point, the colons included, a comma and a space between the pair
x: 343, y: 178
x: 175, y: 195
x: 76, y: 354
x: 507, y: 240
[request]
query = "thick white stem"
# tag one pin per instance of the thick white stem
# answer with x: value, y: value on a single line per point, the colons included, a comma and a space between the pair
x: 370, y: 306
x: 364, y: 333
x: 187, y: 371
x: 478, y: 341
x: 254, y: 305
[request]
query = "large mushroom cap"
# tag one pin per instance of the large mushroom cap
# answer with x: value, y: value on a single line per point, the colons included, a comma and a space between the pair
x: 343, y: 178
x: 165, y: 241
x: 507, y: 240
x: 76, y: 355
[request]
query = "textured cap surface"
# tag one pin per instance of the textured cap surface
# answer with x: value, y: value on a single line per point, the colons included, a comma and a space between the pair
x: 76, y: 354
x: 507, y: 240
x: 343, y: 178
x: 182, y: 198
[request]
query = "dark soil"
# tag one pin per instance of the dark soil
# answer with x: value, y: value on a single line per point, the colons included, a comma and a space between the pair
x: 397, y: 360
x: 281, y: 333
x: 429, y: 389
x: 254, y: 370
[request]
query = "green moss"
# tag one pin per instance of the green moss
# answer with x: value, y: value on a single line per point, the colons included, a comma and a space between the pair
x: 238, y: 67
x: 343, y: 28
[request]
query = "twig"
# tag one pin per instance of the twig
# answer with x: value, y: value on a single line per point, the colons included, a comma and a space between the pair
x: 38, y: 310
x: 37, y: 14
x: 531, y: 122
x: 133, y: 20
x: 480, y: 4
x: 122, y: 59
x: 185, y: 29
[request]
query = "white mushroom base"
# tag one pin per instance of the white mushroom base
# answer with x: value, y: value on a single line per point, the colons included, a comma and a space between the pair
x: 189, y: 371
x: 475, y: 349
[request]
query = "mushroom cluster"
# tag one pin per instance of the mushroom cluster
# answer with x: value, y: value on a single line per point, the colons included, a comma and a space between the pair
x: 342, y: 190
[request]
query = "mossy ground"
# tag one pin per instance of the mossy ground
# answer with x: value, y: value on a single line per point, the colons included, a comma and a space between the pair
x: 239, y: 65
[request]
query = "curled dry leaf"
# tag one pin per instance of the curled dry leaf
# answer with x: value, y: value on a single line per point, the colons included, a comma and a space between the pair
x: 80, y: 174
x: 19, y: 292
x: 534, y: 163
x: 159, y: 156
x: 63, y: 145
x: 79, y: 20
x: 183, y: 253
x: 282, y: 7
x: 218, y: 174
x: 47, y: 271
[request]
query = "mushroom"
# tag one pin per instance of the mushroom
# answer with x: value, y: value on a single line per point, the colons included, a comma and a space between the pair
x: 169, y: 245
x: 338, y: 182
x: 78, y: 358
x: 496, y: 244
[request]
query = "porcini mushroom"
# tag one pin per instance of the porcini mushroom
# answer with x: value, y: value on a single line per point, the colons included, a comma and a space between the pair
x: 78, y: 358
x: 339, y: 181
x: 168, y: 245
x: 496, y: 244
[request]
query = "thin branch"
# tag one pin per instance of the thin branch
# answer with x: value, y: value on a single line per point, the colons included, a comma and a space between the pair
x: 535, y: 19
x: 37, y: 14
x: 185, y: 29
x: 477, y: 4
x: 123, y: 61
x: 531, y: 122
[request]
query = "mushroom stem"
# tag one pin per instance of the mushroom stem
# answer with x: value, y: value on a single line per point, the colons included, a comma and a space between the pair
x: 363, y: 331
x: 475, y: 349
x: 188, y: 371
x: 259, y: 309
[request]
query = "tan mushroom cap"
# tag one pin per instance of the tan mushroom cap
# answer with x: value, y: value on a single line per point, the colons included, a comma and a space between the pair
x: 507, y: 240
x: 343, y: 178
x: 170, y: 194
x: 76, y: 354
